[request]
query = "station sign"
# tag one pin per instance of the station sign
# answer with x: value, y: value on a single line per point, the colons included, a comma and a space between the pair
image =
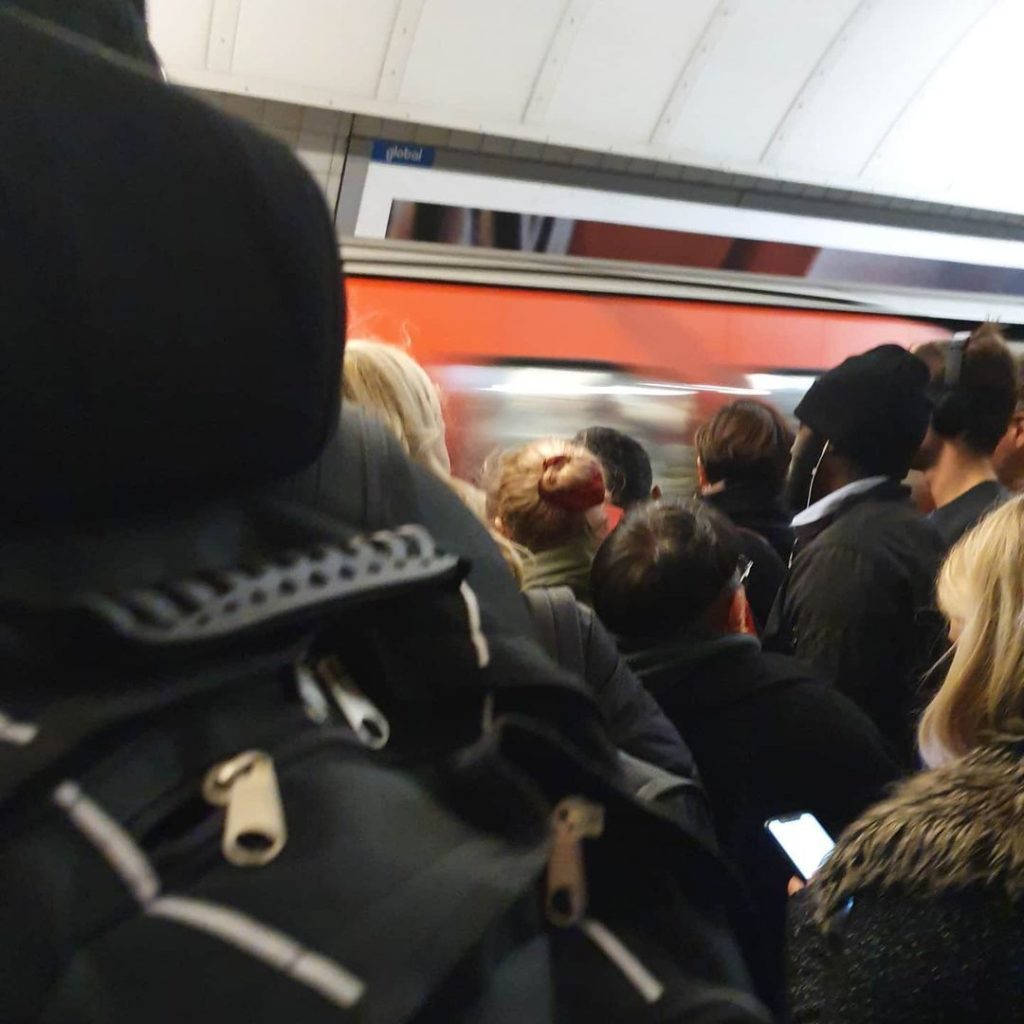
x: 388, y: 151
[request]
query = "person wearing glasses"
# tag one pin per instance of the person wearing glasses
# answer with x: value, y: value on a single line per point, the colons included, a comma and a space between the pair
x: 768, y: 736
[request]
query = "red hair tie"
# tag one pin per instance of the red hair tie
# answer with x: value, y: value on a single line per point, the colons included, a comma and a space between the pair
x: 583, y: 494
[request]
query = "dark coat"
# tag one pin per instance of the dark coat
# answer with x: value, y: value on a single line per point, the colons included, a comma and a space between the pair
x: 769, y: 739
x: 767, y: 574
x: 575, y: 638
x: 917, y: 916
x: 758, y: 509
x: 858, y: 606
x: 955, y: 518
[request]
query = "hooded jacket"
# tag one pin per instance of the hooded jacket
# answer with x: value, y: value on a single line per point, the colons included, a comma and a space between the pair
x: 858, y: 605
x: 917, y: 915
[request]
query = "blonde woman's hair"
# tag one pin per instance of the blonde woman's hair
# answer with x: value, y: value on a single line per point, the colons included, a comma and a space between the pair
x: 388, y: 384
x: 391, y: 386
x: 981, y: 592
x: 543, y: 492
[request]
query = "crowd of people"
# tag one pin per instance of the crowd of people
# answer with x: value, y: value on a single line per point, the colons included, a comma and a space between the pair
x: 806, y: 634
x: 787, y: 624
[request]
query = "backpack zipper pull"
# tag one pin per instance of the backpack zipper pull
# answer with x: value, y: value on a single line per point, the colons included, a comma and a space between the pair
x: 363, y: 716
x: 573, y: 820
x: 254, y: 826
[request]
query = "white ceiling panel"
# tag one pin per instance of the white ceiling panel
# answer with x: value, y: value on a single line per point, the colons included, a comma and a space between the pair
x: 960, y: 139
x: 758, y: 65
x: 479, y: 55
x: 914, y: 98
x: 873, y: 75
x: 334, y: 44
x: 181, y: 31
x: 622, y: 64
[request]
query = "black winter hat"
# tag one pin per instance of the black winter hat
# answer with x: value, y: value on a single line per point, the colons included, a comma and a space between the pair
x: 873, y: 408
x: 170, y: 306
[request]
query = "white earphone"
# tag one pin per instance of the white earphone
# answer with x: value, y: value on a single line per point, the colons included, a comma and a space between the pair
x: 814, y: 472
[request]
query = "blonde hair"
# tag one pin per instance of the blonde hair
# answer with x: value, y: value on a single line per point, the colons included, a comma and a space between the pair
x: 391, y: 386
x: 543, y: 493
x: 981, y: 592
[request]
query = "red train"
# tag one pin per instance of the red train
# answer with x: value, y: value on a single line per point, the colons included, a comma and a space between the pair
x: 561, y: 353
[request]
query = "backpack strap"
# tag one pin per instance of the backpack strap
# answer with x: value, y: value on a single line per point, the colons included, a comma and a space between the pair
x: 556, y: 617
x: 189, y: 639
x: 375, y: 466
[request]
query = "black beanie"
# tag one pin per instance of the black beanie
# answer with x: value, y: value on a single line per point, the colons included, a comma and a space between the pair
x: 873, y: 408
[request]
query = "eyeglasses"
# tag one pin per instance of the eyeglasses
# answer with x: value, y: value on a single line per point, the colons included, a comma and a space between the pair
x: 743, y: 567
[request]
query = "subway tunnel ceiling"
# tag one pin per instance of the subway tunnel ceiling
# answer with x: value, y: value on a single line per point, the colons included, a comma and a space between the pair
x: 911, y: 98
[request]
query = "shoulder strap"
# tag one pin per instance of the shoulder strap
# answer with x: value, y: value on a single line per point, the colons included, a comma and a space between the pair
x: 556, y: 616
x: 650, y: 782
x: 375, y: 467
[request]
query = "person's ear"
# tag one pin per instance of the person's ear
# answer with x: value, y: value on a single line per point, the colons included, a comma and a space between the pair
x: 702, y: 477
x: 655, y: 493
x: 499, y: 526
x: 1017, y: 425
x: 740, y: 617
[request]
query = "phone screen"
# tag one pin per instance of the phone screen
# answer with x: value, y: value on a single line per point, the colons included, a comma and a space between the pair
x: 804, y: 841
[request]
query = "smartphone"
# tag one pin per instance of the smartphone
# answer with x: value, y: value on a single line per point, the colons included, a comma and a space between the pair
x: 803, y: 840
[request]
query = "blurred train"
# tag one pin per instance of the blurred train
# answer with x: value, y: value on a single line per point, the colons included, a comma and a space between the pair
x: 526, y: 347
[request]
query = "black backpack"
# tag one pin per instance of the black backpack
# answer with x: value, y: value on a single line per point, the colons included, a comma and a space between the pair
x: 254, y: 766
x: 315, y: 787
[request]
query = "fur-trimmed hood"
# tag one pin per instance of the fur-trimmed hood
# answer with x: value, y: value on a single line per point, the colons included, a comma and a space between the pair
x: 956, y: 827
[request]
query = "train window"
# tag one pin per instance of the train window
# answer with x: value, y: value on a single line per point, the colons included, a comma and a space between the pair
x: 783, y: 388
x: 493, y: 407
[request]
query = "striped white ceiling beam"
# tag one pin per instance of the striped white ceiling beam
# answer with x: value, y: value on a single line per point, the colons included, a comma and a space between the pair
x: 690, y: 72
x: 830, y: 55
x: 403, y: 32
x: 573, y: 14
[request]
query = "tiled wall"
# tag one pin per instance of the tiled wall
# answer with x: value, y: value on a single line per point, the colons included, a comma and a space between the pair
x: 321, y: 137
x: 318, y: 137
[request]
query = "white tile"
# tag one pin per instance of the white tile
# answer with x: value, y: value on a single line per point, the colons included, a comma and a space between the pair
x: 396, y: 129
x: 337, y: 161
x: 283, y: 115
x: 289, y: 137
x: 250, y: 108
x: 317, y: 141
x: 332, y: 189
x: 317, y: 160
x: 494, y: 145
x: 469, y: 141
x: 527, y: 150
x: 367, y: 126
x: 428, y: 135
x: 316, y: 119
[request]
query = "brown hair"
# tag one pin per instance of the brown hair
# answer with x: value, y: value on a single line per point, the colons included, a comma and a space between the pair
x: 745, y: 441
x: 979, y: 407
x: 543, y: 491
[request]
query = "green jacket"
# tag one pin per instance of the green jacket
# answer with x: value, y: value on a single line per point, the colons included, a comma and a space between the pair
x: 564, y: 566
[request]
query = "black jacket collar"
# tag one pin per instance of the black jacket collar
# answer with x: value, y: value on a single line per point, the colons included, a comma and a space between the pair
x: 889, y: 490
x: 700, y: 671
